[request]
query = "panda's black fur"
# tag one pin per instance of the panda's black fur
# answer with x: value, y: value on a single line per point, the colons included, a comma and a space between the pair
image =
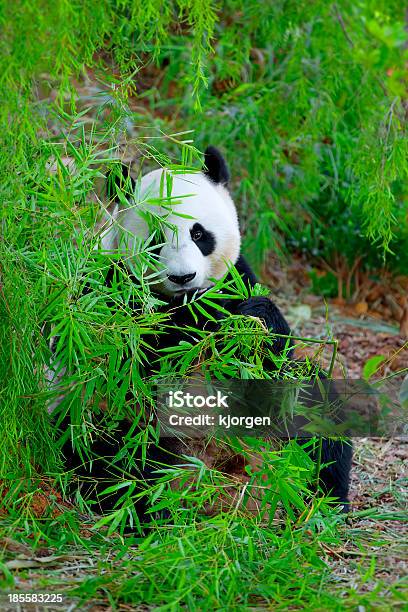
x: 334, y: 478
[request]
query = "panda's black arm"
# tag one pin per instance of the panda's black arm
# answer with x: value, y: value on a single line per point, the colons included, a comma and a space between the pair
x: 262, y: 308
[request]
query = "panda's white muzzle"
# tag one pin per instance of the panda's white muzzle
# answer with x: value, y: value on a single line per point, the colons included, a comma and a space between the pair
x: 185, y: 268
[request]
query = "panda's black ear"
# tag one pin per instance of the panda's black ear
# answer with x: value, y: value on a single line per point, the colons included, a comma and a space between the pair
x: 119, y: 176
x: 215, y: 166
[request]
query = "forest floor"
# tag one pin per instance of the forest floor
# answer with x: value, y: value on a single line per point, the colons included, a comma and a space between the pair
x: 373, y: 555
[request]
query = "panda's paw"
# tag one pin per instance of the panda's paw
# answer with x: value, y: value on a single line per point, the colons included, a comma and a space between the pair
x: 257, y: 306
x: 264, y: 308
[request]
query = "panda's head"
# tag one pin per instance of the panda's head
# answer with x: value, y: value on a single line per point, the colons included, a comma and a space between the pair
x: 200, y: 234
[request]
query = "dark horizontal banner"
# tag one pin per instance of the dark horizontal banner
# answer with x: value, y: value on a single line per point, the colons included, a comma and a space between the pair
x: 197, y: 408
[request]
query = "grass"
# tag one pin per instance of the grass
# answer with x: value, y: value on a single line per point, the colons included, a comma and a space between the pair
x: 229, y: 562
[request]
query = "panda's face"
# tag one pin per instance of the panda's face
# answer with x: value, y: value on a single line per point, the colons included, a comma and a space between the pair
x: 200, y: 234
x: 198, y: 249
x: 188, y: 258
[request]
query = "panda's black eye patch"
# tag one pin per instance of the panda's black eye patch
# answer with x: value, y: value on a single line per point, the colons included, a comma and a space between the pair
x: 204, y: 239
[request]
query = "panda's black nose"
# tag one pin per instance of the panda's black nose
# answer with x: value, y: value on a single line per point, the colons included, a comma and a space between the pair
x: 181, y: 280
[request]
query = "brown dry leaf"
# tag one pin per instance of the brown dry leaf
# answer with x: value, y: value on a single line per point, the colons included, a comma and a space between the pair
x: 16, y: 564
x: 361, y: 308
x: 25, y: 563
x: 11, y: 545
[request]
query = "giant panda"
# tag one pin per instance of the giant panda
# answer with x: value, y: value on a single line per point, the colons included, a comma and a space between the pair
x: 199, y: 243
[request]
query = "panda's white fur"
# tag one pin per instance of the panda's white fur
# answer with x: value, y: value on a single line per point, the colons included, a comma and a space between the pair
x: 192, y: 195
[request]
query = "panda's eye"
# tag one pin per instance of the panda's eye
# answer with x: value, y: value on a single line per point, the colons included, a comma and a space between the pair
x: 197, y: 235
